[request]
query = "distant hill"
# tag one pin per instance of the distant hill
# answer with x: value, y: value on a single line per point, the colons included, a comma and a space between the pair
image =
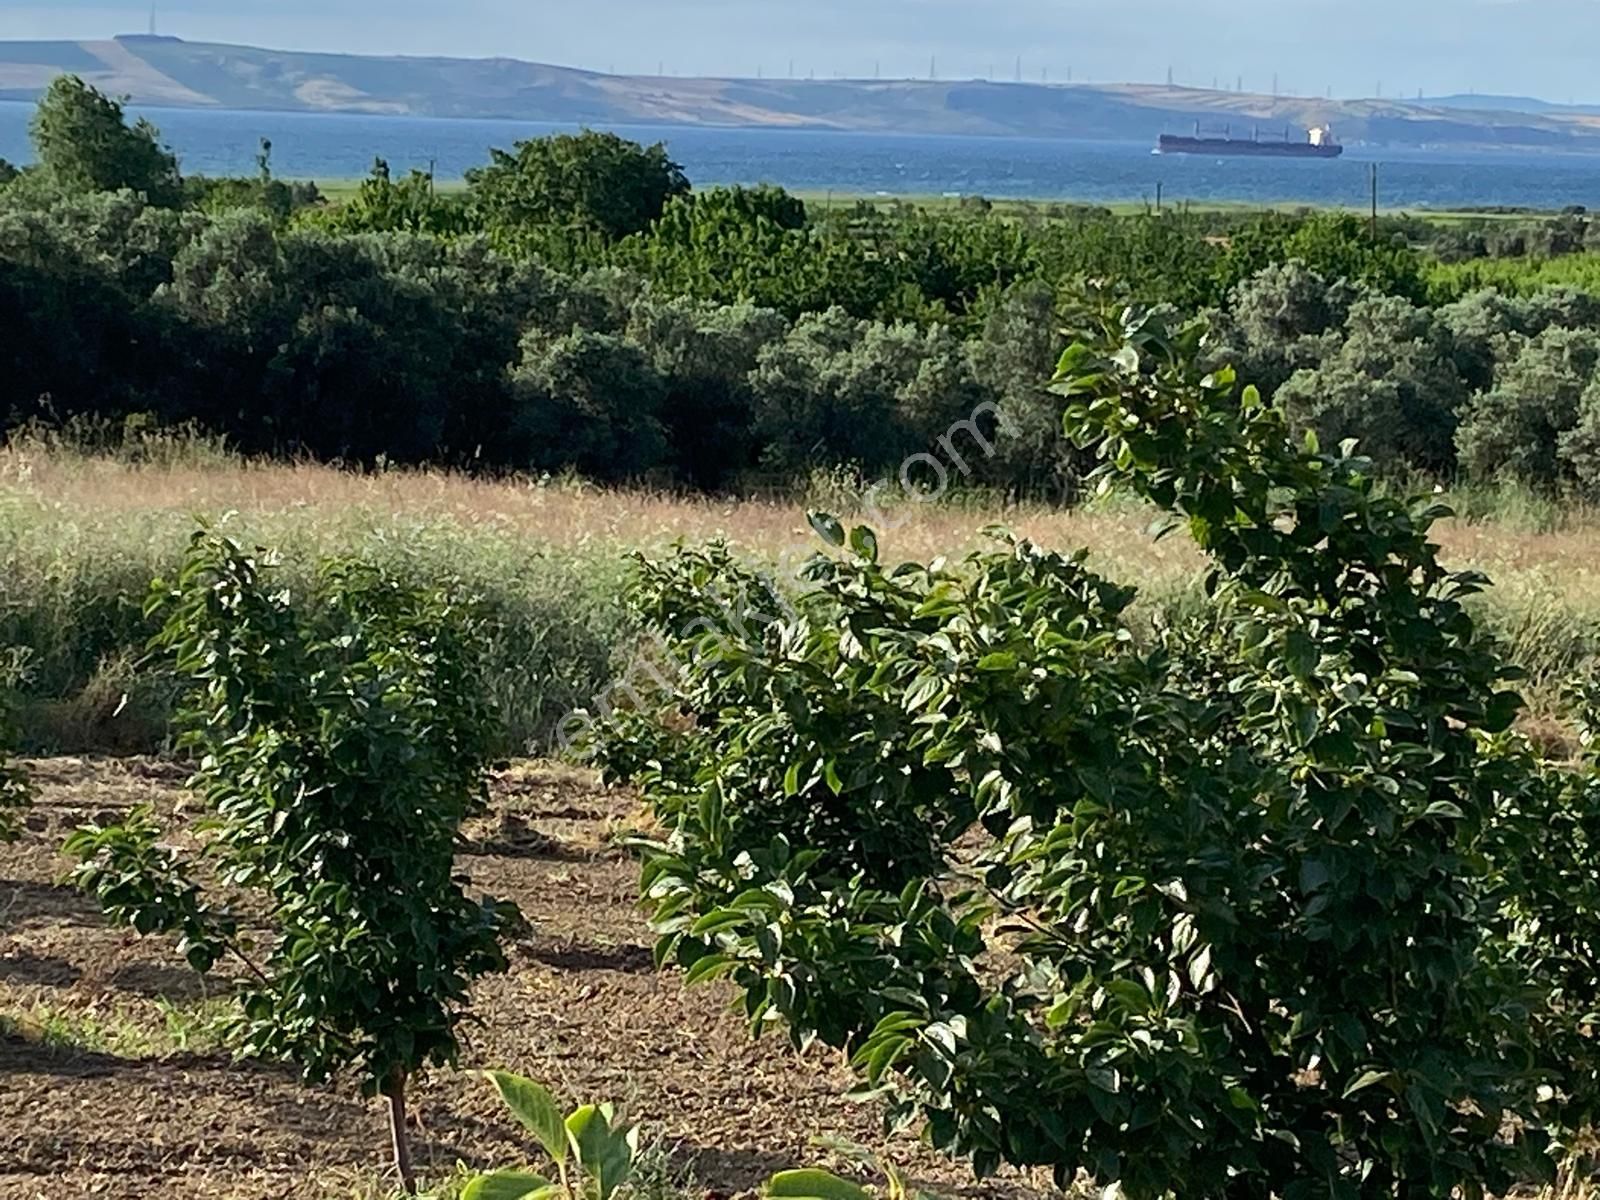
x: 168, y: 71
x: 1511, y: 104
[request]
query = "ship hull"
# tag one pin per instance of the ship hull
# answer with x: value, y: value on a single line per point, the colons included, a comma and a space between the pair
x: 1238, y: 147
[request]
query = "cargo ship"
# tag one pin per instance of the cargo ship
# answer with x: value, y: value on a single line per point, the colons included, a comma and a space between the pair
x: 1318, y: 143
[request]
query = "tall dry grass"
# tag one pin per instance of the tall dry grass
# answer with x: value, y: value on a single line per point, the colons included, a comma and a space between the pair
x: 83, y: 534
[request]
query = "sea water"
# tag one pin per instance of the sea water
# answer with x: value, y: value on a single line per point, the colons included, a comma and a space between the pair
x: 328, y: 146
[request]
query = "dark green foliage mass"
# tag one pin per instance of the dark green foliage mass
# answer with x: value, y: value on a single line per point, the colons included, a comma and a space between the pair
x: 578, y: 307
x: 84, y: 144
x: 1246, y: 910
x: 592, y: 182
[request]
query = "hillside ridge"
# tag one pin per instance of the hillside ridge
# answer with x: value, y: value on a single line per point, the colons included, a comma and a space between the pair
x: 167, y: 71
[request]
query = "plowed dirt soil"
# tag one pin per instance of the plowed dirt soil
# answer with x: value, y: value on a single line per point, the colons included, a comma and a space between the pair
x: 110, y: 1085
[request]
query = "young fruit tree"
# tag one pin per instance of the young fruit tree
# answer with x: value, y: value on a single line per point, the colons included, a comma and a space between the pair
x: 341, y: 739
x: 1256, y: 899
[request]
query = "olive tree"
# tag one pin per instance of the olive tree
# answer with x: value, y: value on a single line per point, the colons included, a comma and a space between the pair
x: 1517, y: 430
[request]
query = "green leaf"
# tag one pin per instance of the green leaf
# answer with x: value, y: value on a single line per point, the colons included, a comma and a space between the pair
x: 1300, y: 654
x: 1200, y: 968
x: 536, y: 1108
x: 813, y: 1184
x: 1002, y: 660
x: 504, y: 1185
x: 605, y: 1154
x: 827, y: 527
x: 865, y: 543
x: 1368, y: 1079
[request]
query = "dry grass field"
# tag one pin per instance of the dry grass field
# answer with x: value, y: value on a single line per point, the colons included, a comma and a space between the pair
x: 81, y: 536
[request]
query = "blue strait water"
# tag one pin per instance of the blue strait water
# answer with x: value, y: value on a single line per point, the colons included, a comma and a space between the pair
x: 330, y: 146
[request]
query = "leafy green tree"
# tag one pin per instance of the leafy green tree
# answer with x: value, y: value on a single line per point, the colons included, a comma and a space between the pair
x: 275, y: 196
x: 341, y: 742
x: 76, y: 284
x: 383, y: 205
x: 1237, y: 913
x: 1335, y: 245
x: 591, y: 182
x: 1285, y: 318
x: 8, y: 172
x: 704, y: 354
x: 83, y: 143
x: 838, y: 390
x: 1031, y: 456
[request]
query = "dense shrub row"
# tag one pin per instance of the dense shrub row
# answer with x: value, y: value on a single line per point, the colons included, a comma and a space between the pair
x: 1491, y: 386
x: 577, y: 306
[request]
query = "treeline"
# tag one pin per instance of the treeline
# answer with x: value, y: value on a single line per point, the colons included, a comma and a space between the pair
x: 1489, y: 387
x: 578, y: 306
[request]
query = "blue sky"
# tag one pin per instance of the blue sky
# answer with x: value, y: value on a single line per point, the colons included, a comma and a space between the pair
x: 1535, y: 47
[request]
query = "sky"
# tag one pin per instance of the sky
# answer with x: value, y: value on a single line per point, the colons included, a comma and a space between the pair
x: 1542, y: 48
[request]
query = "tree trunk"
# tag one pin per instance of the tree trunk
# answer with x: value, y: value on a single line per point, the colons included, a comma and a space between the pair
x: 396, y: 1093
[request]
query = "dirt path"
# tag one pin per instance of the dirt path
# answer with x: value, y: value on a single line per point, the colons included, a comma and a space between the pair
x: 109, y: 1083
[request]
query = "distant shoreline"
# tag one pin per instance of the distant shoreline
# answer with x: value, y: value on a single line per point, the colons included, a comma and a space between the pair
x: 1364, y: 150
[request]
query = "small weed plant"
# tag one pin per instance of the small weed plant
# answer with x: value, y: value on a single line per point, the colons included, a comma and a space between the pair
x: 341, y: 739
x: 591, y: 1153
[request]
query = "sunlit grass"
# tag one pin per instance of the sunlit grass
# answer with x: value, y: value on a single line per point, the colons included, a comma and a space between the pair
x: 82, y: 536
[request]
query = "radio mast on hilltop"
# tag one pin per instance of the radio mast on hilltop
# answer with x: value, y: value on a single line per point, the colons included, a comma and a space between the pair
x: 152, y: 20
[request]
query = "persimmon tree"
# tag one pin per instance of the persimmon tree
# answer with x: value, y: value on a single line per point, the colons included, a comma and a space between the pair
x: 1248, y: 905
x: 341, y: 738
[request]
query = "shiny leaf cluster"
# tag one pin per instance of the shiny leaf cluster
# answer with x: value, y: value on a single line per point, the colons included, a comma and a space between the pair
x: 1240, y: 909
x: 592, y: 1151
x: 341, y: 739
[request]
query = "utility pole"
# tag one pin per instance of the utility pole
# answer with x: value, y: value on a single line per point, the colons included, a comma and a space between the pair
x: 1374, y: 175
x: 1158, y: 197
